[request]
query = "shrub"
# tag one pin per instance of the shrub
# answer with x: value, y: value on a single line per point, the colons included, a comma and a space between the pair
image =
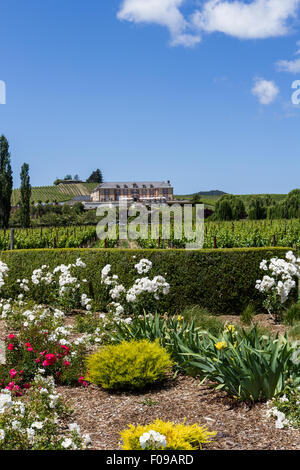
x: 223, y: 280
x: 177, y: 436
x: 280, y: 281
x: 128, y: 365
x: 41, y: 344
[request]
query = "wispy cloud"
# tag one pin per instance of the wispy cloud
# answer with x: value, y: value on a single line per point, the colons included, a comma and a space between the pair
x: 292, y: 66
x: 258, y: 19
x: 265, y: 90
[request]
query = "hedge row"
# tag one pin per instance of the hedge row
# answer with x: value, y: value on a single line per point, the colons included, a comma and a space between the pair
x: 223, y: 281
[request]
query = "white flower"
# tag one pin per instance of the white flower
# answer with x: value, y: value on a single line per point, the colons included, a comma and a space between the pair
x: 66, y: 443
x: 2, y: 434
x: 74, y: 427
x: 37, y: 425
x: 153, y: 440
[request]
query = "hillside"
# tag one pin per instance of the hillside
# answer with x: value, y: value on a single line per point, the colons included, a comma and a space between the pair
x: 60, y: 193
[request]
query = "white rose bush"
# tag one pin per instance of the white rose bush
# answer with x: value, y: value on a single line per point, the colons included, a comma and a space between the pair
x: 144, y: 294
x: 278, y: 282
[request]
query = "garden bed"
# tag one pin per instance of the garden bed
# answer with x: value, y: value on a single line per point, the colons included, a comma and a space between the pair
x: 104, y: 414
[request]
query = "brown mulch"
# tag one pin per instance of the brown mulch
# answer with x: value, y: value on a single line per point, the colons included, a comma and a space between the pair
x: 103, y: 415
x: 262, y: 319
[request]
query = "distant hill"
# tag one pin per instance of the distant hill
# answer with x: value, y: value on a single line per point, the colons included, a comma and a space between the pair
x: 59, y: 193
x: 214, y: 192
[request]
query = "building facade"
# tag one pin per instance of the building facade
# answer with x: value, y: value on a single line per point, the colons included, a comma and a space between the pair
x: 133, y: 192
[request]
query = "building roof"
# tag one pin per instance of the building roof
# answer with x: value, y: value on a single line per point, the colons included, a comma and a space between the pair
x: 82, y: 198
x: 132, y: 185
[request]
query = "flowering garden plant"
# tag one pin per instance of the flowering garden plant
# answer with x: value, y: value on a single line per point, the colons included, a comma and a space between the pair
x: 60, y: 287
x: 42, y: 345
x: 35, y: 422
x: 144, y: 294
x: 278, y: 283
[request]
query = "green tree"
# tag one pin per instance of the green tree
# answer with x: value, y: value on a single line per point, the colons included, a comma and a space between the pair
x: 257, y: 210
x: 96, y: 177
x: 25, y: 196
x: 229, y: 207
x: 196, y: 199
x: 6, y: 182
x: 223, y: 210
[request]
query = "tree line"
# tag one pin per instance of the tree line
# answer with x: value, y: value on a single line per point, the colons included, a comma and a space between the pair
x: 230, y: 207
x: 6, y: 187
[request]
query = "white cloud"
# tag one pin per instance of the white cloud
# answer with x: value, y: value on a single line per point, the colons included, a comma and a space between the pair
x: 256, y: 19
x: 162, y: 12
x: 292, y: 66
x: 265, y: 90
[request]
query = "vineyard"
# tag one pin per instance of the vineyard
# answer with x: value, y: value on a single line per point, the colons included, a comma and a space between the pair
x: 59, y: 193
x: 217, y: 235
x: 49, y: 238
x: 240, y: 234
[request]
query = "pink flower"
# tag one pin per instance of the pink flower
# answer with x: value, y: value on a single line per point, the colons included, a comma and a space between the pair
x: 81, y: 381
x: 67, y: 363
x: 10, y: 386
x: 37, y: 360
x: 10, y: 347
x: 50, y: 359
x: 11, y: 336
x: 13, y: 373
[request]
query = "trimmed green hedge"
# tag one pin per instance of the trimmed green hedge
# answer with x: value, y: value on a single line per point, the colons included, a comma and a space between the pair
x: 221, y: 280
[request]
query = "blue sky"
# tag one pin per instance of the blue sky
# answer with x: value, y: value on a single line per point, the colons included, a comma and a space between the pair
x: 191, y: 91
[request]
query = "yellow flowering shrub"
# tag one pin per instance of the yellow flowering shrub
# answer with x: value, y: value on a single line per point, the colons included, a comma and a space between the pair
x: 128, y: 365
x: 178, y: 436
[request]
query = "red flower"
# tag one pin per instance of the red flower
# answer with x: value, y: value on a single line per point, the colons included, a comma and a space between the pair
x: 50, y: 359
x: 67, y: 350
x: 11, y: 336
x: 67, y: 363
x: 81, y: 381
x: 13, y: 373
x: 10, y: 347
x: 10, y: 386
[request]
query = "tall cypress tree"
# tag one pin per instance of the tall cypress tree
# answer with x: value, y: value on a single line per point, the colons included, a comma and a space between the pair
x: 25, y: 196
x: 6, y: 182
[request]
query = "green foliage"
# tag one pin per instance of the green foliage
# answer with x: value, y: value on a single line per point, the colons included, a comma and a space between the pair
x: 292, y: 315
x: 6, y: 182
x: 223, y: 281
x: 289, y: 208
x: 25, y: 196
x: 229, y: 208
x: 244, y: 364
x: 257, y: 210
x: 128, y: 365
x: 202, y: 319
x: 96, y: 177
x: 178, y: 436
x: 248, y: 314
